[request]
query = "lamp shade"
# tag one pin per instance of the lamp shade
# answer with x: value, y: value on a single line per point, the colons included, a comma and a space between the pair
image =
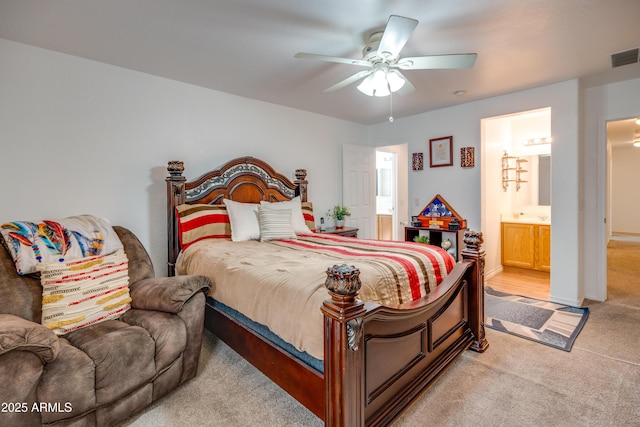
x: 395, y: 81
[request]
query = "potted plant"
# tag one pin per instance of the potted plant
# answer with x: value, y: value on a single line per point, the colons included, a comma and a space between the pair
x: 338, y: 213
x: 421, y: 239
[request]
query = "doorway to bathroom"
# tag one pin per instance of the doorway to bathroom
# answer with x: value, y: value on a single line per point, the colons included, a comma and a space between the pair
x: 516, y: 202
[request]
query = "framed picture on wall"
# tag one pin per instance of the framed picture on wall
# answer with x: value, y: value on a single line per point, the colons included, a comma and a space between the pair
x: 441, y: 151
x: 417, y: 161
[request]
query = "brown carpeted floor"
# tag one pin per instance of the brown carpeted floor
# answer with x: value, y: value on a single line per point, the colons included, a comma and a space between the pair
x: 514, y: 383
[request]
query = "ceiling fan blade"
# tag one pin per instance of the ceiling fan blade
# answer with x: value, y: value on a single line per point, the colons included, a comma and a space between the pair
x: 337, y: 59
x: 463, y: 60
x: 349, y: 80
x: 395, y: 36
x: 407, y: 87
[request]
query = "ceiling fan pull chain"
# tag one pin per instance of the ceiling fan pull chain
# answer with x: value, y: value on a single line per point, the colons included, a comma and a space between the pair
x: 390, y: 105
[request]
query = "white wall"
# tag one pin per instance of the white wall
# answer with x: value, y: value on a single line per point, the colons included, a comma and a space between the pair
x: 600, y: 104
x: 463, y: 123
x: 78, y: 136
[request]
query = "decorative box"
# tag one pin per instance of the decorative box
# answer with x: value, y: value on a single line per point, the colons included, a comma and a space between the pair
x: 439, y: 214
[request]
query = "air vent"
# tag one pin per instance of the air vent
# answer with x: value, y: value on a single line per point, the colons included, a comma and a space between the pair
x: 624, y: 58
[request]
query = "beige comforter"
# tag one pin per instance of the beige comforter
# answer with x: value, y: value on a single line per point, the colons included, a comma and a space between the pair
x: 281, y: 284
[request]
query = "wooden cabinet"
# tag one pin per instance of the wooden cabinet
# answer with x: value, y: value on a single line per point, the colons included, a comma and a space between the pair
x: 436, y: 236
x: 526, y: 245
x: 544, y: 248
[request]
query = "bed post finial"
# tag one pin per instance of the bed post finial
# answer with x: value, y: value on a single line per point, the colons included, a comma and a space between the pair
x: 301, y: 180
x: 474, y: 252
x: 344, y: 359
x: 175, y: 197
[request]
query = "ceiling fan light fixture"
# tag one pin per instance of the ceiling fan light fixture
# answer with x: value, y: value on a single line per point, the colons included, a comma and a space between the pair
x: 366, y: 86
x: 395, y: 81
x: 381, y: 83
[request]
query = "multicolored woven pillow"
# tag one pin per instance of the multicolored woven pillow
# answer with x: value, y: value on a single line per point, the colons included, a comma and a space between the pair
x: 84, y: 292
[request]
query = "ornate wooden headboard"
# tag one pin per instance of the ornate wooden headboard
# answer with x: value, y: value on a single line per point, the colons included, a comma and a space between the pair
x: 245, y: 179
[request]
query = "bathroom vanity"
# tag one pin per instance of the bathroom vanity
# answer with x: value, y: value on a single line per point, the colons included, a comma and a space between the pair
x: 526, y: 243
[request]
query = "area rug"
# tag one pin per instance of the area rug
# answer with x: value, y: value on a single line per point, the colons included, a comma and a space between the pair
x: 548, y: 323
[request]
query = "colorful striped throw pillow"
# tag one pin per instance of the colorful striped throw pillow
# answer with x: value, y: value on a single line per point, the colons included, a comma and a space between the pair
x: 79, y: 293
x: 307, y: 213
x: 197, y: 222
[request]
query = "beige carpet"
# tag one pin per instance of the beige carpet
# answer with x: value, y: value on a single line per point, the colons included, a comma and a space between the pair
x: 514, y: 383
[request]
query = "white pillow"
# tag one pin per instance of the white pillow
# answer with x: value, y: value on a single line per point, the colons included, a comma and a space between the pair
x: 244, y: 220
x: 275, y: 224
x: 297, y: 219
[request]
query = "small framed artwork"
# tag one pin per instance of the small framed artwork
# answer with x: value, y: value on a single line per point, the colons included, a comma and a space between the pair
x: 417, y: 161
x: 467, y: 157
x: 440, y: 151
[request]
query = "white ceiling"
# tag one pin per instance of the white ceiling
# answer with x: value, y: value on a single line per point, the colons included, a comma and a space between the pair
x: 247, y: 47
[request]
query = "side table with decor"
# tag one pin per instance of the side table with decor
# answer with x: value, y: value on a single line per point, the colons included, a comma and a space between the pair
x: 344, y: 231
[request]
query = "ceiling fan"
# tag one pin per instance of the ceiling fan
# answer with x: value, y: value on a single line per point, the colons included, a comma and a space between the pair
x: 381, y: 56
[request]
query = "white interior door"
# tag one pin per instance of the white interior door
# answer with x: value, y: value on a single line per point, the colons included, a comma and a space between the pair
x: 358, y: 188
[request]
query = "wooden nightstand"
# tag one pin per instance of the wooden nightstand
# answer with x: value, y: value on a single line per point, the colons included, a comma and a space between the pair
x: 346, y: 231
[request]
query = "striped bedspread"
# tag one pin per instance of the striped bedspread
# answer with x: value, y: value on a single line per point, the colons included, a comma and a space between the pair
x: 281, y: 283
x: 415, y: 269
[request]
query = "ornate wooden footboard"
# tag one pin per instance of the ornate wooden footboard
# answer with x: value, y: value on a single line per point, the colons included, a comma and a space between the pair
x: 377, y: 359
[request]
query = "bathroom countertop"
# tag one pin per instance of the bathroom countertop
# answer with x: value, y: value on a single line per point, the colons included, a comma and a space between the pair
x: 528, y: 220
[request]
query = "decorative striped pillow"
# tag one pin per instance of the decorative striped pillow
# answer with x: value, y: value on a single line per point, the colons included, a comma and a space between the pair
x: 307, y: 213
x: 275, y: 224
x: 297, y: 217
x: 79, y: 293
x: 197, y: 222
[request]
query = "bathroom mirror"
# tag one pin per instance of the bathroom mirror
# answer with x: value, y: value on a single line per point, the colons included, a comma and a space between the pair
x: 544, y: 180
x: 535, y: 190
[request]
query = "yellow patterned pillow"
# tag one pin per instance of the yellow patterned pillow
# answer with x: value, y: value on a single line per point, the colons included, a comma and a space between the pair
x: 84, y: 292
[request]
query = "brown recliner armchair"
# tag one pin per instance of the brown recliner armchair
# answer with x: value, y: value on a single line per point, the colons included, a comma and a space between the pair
x: 101, y: 374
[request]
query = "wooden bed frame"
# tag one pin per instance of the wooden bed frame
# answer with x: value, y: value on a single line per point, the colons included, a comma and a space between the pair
x: 377, y: 359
